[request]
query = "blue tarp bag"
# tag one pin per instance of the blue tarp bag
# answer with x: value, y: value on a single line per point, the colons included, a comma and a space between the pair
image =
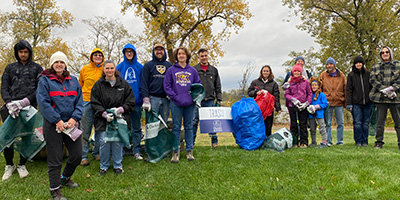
x: 248, y: 124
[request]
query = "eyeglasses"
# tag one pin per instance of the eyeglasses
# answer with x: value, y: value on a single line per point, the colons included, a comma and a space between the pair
x: 130, y: 52
x: 383, y: 52
x: 97, y: 55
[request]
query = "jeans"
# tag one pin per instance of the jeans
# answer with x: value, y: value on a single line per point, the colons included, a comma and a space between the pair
x: 213, y: 136
x: 361, y: 117
x: 339, y: 113
x: 86, y: 126
x: 313, y: 129
x: 161, y: 106
x: 177, y: 113
x: 136, y: 115
x: 381, y: 113
x: 106, y: 148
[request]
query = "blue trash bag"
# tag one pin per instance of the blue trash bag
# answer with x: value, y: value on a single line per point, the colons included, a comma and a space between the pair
x: 248, y: 124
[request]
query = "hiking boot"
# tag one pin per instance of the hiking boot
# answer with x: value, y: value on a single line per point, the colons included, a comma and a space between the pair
x: 322, y: 145
x: 118, y: 171
x: 8, y: 171
x: 85, y: 163
x: 215, y: 145
x: 138, y: 156
x: 67, y: 182
x: 378, y: 146
x: 175, y: 157
x: 56, y: 194
x: 102, y: 172
x: 189, y: 155
x: 22, y: 171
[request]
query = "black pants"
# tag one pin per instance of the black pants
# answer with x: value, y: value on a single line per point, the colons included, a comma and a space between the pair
x: 268, y: 124
x: 381, y: 114
x: 302, y: 116
x: 54, y: 145
x: 8, y: 152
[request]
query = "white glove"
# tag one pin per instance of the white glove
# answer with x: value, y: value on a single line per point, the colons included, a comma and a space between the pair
x: 311, y: 109
x: 286, y: 85
x: 295, y: 102
x: 303, y: 106
x: 14, y: 107
x: 146, y: 104
x: 108, y: 116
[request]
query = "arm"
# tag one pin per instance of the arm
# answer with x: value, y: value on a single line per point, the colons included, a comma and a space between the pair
x: 308, y: 92
x: 349, y: 89
x: 218, y: 88
x: 145, y: 77
x: 95, y: 100
x: 276, y: 94
x: 168, y: 87
x: 129, y: 99
x: 252, y: 90
x: 32, y: 96
x: 323, y: 103
x: 374, y: 79
x: 78, y: 111
x: 44, y: 102
x: 5, y: 85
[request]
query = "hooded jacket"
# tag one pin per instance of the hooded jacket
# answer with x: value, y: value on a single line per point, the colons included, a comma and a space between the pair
x: 301, y: 91
x: 177, y: 83
x: 20, y: 80
x: 358, y: 86
x: 90, y: 74
x: 131, y: 72
x: 152, y: 79
x: 334, y: 87
x: 211, y: 81
x: 382, y: 76
x: 59, y: 99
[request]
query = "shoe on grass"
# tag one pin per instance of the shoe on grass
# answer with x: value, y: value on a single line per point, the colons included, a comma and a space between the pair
x: 314, y: 144
x: 67, y: 182
x: 364, y: 145
x: 56, y: 195
x: 175, y: 157
x: 303, y: 146
x: 85, y: 163
x: 118, y: 171
x: 138, y: 156
x: 189, y: 155
x: 97, y: 158
x: 102, y: 172
x: 378, y: 146
x: 322, y: 145
x: 215, y: 145
x: 22, y: 171
x: 358, y: 144
x: 8, y: 171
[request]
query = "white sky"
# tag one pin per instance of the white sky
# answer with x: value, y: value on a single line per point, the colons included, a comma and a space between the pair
x: 265, y: 39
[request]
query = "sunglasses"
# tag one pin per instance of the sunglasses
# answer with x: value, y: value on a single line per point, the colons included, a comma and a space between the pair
x: 383, y: 52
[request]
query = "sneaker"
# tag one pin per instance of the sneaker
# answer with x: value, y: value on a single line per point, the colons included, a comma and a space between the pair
x: 102, y: 172
x: 138, y: 156
x: 215, y: 145
x: 358, y: 144
x: 322, y: 145
x: 339, y: 144
x: 22, y: 171
x: 378, y: 146
x: 303, y: 146
x: 364, y: 145
x: 97, y: 158
x: 8, y: 171
x: 85, y: 163
x: 314, y: 144
x: 295, y: 146
x: 175, y: 157
x: 118, y: 171
x: 189, y: 155
x: 56, y: 194
x: 329, y: 145
x: 67, y: 182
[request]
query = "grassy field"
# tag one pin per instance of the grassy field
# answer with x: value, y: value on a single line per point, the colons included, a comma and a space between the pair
x: 227, y: 172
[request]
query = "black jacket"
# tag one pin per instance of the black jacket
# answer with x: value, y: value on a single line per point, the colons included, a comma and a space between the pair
x: 358, y: 87
x: 271, y: 86
x: 104, y: 97
x: 211, y: 81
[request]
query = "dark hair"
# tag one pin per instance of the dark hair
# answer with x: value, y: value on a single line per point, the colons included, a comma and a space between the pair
x: 65, y: 72
x: 116, y: 73
x: 271, y: 75
x: 186, y: 52
x: 202, y: 50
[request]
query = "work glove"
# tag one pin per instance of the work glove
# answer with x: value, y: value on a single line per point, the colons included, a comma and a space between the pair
x: 349, y: 108
x: 146, y: 104
x: 14, y: 107
x: 311, y: 109
x: 388, y: 91
x: 295, y: 102
x: 285, y: 86
x: 392, y: 96
x: 108, y: 116
x: 303, y: 106
x: 118, y: 111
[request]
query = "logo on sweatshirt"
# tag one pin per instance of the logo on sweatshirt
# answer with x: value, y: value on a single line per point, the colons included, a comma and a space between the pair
x: 160, y: 69
x: 130, y: 75
x: 183, y: 78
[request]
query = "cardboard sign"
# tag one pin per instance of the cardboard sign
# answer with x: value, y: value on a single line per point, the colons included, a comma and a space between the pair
x: 215, y: 119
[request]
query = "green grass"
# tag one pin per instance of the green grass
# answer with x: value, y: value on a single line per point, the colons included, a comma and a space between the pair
x: 227, y: 172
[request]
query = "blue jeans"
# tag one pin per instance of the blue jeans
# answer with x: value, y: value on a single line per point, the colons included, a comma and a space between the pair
x: 177, y: 113
x: 136, y: 115
x: 339, y: 113
x: 213, y: 136
x: 86, y: 126
x: 161, y: 106
x: 106, y: 148
x: 361, y: 117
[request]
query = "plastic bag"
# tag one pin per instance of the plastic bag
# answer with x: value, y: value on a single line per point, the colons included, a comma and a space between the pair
x: 198, y: 93
x: 266, y: 102
x: 117, y: 131
x: 280, y: 140
x: 248, y: 124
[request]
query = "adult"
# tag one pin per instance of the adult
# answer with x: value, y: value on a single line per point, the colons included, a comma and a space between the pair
x: 59, y: 96
x: 152, y: 82
x: 211, y: 81
x: 334, y: 87
x: 131, y: 71
x: 385, y: 81
x: 88, y: 76
x: 110, y: 92
x: 18, y: 87
x: 177, y: 82
x: 266, y: 82
x: 306, y: 74
x: 357, y: 100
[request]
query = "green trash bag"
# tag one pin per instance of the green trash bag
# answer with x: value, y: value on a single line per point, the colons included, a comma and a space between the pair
x: 372, y: 123
x: 159, y: 141
x: 198, y: 93
x: 117, y: 131
x: 280, y: 140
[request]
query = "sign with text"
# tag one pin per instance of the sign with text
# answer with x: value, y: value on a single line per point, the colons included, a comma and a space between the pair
x: 215, y: 119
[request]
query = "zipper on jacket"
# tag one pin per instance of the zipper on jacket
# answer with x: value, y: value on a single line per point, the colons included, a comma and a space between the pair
x: 362, y: 88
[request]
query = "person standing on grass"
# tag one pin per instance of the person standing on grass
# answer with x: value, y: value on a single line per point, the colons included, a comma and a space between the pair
x: 357, y: 100
x: 334, y: 87
x: 266, y: 82
x: 211, y: 81
x: 111, y: 92
x: 88, y: 76
x: 131, y: 70
x: 385, y: 81
x: 59, y: 96
x: 18, y: 89
x: 299, y: 98
x: 177, y: 83
x: 317, y: 112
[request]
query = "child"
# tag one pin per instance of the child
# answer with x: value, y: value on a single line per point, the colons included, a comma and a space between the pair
x: 298, y: 96
x: 316, y: 110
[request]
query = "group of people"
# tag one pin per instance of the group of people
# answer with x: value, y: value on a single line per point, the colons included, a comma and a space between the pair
x: 311, y: 101
x: 104, y: 92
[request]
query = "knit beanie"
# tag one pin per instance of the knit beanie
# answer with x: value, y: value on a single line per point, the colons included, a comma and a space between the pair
x: 331, y: 61
x: 59, y: 56
x: 359, y: 59
x: 299, y: 58
x: 297, y: 68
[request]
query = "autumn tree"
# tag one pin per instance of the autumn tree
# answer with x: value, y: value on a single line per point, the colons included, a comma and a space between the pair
x: 189, y: 23
x: 345, y: 29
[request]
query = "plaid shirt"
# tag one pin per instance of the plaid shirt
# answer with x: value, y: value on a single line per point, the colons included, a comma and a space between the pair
x: 382, y: 76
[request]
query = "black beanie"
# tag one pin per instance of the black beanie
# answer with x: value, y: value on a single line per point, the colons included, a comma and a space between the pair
x: 359, y: 59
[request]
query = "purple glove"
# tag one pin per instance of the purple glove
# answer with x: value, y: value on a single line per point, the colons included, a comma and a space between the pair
x: 14, y: 107
x: 108, y: 116
x: 388, y: 91
x: 118, y: 110
x: 146, y: 104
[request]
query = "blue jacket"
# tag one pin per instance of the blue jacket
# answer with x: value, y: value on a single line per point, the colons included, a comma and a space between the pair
x: 321, y: 101
x: 153, y: 74
x: 131, y: 72
x: 59, y: 99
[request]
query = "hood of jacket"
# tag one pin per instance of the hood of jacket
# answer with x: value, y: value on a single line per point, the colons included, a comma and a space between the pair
x: 391, y: 53
x: 91, y: 54
x: 130, y: 46
x: 22, y: 44
x: 358, y: 59
x: 155, y: 58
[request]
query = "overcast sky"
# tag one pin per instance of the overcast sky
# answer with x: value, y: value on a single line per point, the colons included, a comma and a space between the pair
x: 265, y: 39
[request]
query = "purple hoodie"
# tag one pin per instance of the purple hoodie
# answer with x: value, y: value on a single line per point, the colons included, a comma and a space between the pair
x: 177, y: 82
x: 301, y: 91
